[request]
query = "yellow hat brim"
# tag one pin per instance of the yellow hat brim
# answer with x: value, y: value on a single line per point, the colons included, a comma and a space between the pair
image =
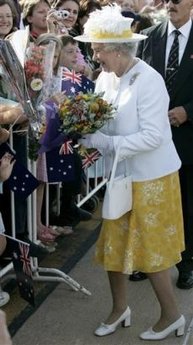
x: 133, y: 38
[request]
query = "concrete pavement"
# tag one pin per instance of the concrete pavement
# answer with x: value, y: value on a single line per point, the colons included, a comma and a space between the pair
x: 69, y: 318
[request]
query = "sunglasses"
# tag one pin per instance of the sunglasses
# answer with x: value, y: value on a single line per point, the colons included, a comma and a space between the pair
x: 175, y: 2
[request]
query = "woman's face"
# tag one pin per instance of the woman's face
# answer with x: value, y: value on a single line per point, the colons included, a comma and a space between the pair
x: 107, y: 58
x: 68, y: 56
x: 73, y: 8
x: 6, y: 20
x: 38, y: 18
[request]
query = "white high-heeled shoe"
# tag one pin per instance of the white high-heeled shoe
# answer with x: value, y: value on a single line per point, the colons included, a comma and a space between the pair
x: 178, y: 326
x: 105, y: 329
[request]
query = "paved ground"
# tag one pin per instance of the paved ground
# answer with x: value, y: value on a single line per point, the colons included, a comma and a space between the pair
x: 65, y: 317
x: 69, y: 318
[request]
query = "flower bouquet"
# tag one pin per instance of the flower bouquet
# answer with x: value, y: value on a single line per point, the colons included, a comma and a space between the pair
x: 38, y: 71
x: 84, y: 113
x: 13, y: 74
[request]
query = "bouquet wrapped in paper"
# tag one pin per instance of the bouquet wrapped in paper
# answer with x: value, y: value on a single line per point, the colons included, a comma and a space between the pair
x: 85, y: 113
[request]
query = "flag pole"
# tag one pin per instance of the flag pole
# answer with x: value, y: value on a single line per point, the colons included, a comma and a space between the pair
x: 15, y: 239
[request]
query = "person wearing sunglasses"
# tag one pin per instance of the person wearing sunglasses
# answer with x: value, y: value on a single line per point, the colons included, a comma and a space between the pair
x: 177, y: 70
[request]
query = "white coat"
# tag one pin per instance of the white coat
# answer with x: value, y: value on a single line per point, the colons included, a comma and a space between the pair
x: 141, y: 126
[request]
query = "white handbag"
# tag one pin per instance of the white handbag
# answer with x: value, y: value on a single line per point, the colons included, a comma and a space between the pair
x: 118, y: 195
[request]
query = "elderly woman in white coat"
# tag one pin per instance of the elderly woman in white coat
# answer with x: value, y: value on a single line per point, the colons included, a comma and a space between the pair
x: 150, y: 237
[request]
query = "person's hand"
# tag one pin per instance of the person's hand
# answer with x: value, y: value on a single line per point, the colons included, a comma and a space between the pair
x: 97, y: 140
x: 55, y: 24
x: 59, y: 97
x: 52, y: 23
x: 5, y: 338
x: 177, y: 116
x: 83, y: 69
x: 11, y: 114
x: 6, y: 166
x: 4, y: 135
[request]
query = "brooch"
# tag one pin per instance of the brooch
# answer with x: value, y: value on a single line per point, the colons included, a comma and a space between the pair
x: 133, y: 78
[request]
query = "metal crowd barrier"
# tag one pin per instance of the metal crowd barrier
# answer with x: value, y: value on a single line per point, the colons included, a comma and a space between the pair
x: 96, y: 172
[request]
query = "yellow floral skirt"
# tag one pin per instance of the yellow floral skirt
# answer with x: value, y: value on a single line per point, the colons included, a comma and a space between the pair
x: 150, y: 238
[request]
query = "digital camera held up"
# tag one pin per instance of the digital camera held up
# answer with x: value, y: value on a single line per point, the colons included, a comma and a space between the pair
x: 61, y: 14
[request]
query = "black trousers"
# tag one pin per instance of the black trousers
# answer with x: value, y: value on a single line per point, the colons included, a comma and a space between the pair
x: 186, y: 183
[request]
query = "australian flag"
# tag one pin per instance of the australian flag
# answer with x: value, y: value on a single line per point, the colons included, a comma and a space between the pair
x: 60, y: 166
x: 22, y: 267
x: 73, y: 82
x: 21, y: 181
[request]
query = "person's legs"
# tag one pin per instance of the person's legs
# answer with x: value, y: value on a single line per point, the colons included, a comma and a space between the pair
x: 5, y: 338
x: 44, y: 233
x: 40, y: 195
x: 119, y: 286
x: 2, y: 244
x: 121, y: 313
x: 162, y: 285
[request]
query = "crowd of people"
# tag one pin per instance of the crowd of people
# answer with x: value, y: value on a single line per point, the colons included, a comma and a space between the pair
x: 144, y: 69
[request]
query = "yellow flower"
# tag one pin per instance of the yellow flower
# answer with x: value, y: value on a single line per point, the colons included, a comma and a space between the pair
x: 94, y: 107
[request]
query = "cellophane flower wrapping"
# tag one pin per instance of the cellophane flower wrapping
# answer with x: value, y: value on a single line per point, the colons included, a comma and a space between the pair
x: 13, y: 74
x: 85, y: 113
x: 39, y: 73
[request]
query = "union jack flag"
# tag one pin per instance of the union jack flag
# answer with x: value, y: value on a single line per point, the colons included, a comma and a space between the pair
x: 22, y: 266
x: 25, y: 259
x: 71, y: 75
x: 73, y: 83
x: 66, y: 148
x: 90, y: 158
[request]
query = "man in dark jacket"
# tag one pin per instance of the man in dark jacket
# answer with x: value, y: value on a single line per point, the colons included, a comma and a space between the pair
x: 156, y: 51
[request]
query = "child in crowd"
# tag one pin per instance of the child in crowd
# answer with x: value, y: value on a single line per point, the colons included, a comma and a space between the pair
x: 45, y: 233
x: 68, y: 55
x: 35, y: 15
x: 69, y: 212
x: 6, y: 166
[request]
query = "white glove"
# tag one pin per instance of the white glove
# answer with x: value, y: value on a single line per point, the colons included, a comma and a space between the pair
x: 98, y: 141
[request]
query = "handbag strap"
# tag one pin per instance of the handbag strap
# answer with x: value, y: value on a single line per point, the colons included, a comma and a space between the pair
x: 114, y: 167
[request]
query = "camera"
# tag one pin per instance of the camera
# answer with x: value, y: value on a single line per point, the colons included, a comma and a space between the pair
x: 61, y: 14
